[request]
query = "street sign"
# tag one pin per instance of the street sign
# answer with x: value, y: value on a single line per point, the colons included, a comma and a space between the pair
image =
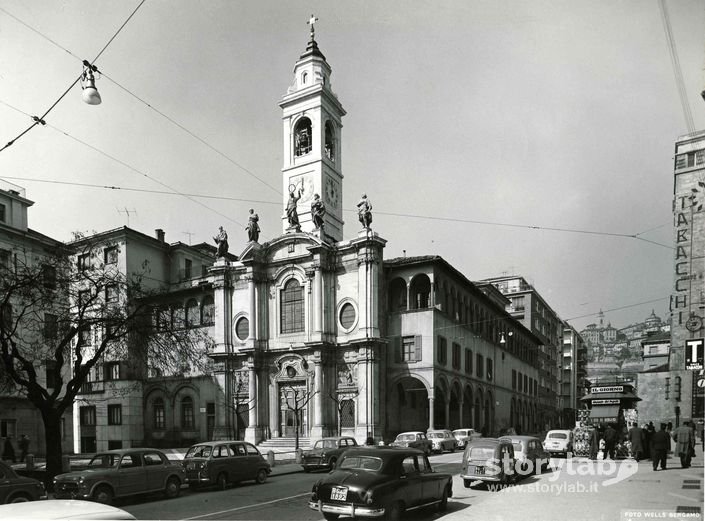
x: 694, y: 354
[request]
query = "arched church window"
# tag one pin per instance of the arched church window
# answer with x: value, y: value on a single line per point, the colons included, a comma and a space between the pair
x: 330, y: 142
x: 208, y: 311
x: 304, y: 78
x: 292, y: 307
x: 302, y: 137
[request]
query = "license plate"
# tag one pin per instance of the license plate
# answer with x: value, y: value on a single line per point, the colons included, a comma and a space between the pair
x: 339, y: 494
x: 479, y: 470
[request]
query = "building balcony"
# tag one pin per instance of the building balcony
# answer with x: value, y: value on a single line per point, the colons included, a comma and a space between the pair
x: 92, y: 387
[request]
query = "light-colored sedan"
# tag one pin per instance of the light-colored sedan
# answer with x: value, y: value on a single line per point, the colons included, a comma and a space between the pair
x: 463, y: 436
x: 61, y: 509
x: 442, y: 440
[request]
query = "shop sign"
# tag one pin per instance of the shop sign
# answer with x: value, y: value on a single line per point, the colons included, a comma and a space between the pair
x: 694, y: 351
x: 610, y: 401
x: 608, y: 389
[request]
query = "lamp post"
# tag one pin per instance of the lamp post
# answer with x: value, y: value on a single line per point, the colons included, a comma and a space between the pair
x: 90, y: 93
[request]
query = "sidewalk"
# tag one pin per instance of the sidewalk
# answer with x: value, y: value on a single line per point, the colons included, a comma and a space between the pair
x: 586, y: 490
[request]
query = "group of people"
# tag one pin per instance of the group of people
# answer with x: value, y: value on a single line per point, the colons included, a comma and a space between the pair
x: 8, y: 450
x: 647, y: 443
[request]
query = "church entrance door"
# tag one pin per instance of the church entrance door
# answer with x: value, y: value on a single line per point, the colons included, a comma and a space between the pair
x: 293, y: 411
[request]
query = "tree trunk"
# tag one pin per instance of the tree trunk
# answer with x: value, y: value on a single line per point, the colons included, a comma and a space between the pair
x: 54, y: 450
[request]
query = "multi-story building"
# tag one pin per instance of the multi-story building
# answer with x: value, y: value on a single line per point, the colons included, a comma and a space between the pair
x: 24, y: 248
x: 573, y: 370
x: 530, y: 308
x: 129, y: 398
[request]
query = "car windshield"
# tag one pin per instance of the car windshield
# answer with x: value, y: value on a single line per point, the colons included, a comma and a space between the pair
x: 461, y: 433
x: 518, y: 446
x: 199, y: 451
x: 361, y: 463
x: 481, y: 453
x: 325, y: 444
x: 406, y: 437
x: 104, y: 461
x: 436, y: 435
x: 558, y: 435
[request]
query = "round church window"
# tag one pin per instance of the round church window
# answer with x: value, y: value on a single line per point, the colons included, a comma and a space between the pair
x: 242, y: 329
x: 348, y: 316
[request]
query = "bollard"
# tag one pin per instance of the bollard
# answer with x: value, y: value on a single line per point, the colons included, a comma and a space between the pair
x: 65, y: 463
x: 299, y: 455
x: 270, y: 458
x: 29, y: 460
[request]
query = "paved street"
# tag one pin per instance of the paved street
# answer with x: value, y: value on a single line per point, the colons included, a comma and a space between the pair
x: 577, y: 489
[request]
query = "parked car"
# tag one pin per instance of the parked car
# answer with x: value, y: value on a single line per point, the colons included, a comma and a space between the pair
x: 61, y: 509
x: 442, y: 440
x: 222, y: 462
x: 18, y: 489
x: 464, y: 435
x: 488, y: 460
x: 326, y: 452
x: 413, y: 440
x: 121, y: 473
x: 559, y: 442
x: 529, y: 453
x: 380, y: 481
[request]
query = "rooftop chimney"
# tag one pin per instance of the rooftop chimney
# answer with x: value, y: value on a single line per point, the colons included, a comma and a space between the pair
x: 160, y: 234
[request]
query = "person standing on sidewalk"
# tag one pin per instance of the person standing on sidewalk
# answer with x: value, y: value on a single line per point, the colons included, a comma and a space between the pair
x: 24, y: 447
x: 594, y: 443
x: 660, y: 443
x: 636, y: 438
x: 610, y: 441
x: 685, y: 443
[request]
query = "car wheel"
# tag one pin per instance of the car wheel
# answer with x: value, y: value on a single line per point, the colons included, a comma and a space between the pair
x: 443, y: 505
x: 173, y: 488
x: 222, y: 481
x: 330, y: 517
x: 394, y: 512
x: 19, y: 498
x: 103, y: 494
x: 261, y: 476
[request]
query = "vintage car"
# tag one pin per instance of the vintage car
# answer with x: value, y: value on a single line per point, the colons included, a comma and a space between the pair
x: 18, y: 489
x: 442, y: 440
x: 326, y: 452
x: 488, y: 460
x: 529, y: 453
x: 121, y: 473
x: 62, y: 509
x: 413, y: 440
x: 462, y: 436
x: 222, y: 462
x: 380, y: 481
x: 559, y: 442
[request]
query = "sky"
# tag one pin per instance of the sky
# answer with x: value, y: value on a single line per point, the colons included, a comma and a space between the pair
x: 531, y: 138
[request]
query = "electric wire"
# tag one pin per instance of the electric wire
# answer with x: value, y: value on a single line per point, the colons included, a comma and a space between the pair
x: 41, y: 119
x: 149, y: 105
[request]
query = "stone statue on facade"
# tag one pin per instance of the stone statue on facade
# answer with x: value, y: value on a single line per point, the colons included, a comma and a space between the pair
x: 222, y: 241
x: 318, y: 210
x: 292, y: 214
x: 253, y: 227
x: 364, y: 211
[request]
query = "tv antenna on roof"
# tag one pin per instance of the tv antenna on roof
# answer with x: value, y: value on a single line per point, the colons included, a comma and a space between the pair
x: 190, y: 234
x: 127, y: 213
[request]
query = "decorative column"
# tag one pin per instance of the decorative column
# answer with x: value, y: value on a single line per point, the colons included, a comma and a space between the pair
x: 430, y: 412
x: 252, y: 294
x: 317, y: 428
x: 460, y: 412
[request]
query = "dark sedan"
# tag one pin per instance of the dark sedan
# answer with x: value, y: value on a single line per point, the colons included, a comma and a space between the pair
x: 326, y: 452
x: 16, y: 489
x: 380, y: 481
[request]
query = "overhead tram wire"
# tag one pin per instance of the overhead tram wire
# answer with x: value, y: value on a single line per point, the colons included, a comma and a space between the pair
x: 149, y: 105
x: 40, y: 120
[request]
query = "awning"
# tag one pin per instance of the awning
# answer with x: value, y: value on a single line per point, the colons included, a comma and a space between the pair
x: 604, y: 413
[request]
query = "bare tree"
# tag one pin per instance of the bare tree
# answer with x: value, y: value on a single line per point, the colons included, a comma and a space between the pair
x: 71, y: 311
x: 340, y: 403
x: 296, y: 400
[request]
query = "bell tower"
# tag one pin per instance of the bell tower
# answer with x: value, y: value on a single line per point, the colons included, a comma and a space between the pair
x: 312, y: 117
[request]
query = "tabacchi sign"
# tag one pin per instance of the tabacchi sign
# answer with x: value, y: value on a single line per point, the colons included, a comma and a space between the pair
x: 694, y: 354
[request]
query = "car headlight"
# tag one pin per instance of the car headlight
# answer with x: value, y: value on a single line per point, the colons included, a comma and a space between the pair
x: 314, y: 492
x: 367, y: 498
x: 81, y: 479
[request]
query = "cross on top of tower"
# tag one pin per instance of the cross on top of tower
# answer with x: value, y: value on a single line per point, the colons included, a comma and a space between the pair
x: 311, y: 22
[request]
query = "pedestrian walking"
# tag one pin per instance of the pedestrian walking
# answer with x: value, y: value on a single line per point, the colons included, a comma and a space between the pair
x: 594, y: 443
x: 24, y: 447
x: 660, y: 443
x: 636, y: 438
x: 649, y: 431
x: 610, y: 441
x: 8, y: 451
x: 685, y: 443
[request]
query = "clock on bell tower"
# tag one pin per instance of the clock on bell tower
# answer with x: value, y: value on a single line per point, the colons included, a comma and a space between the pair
x: 312, y: 117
